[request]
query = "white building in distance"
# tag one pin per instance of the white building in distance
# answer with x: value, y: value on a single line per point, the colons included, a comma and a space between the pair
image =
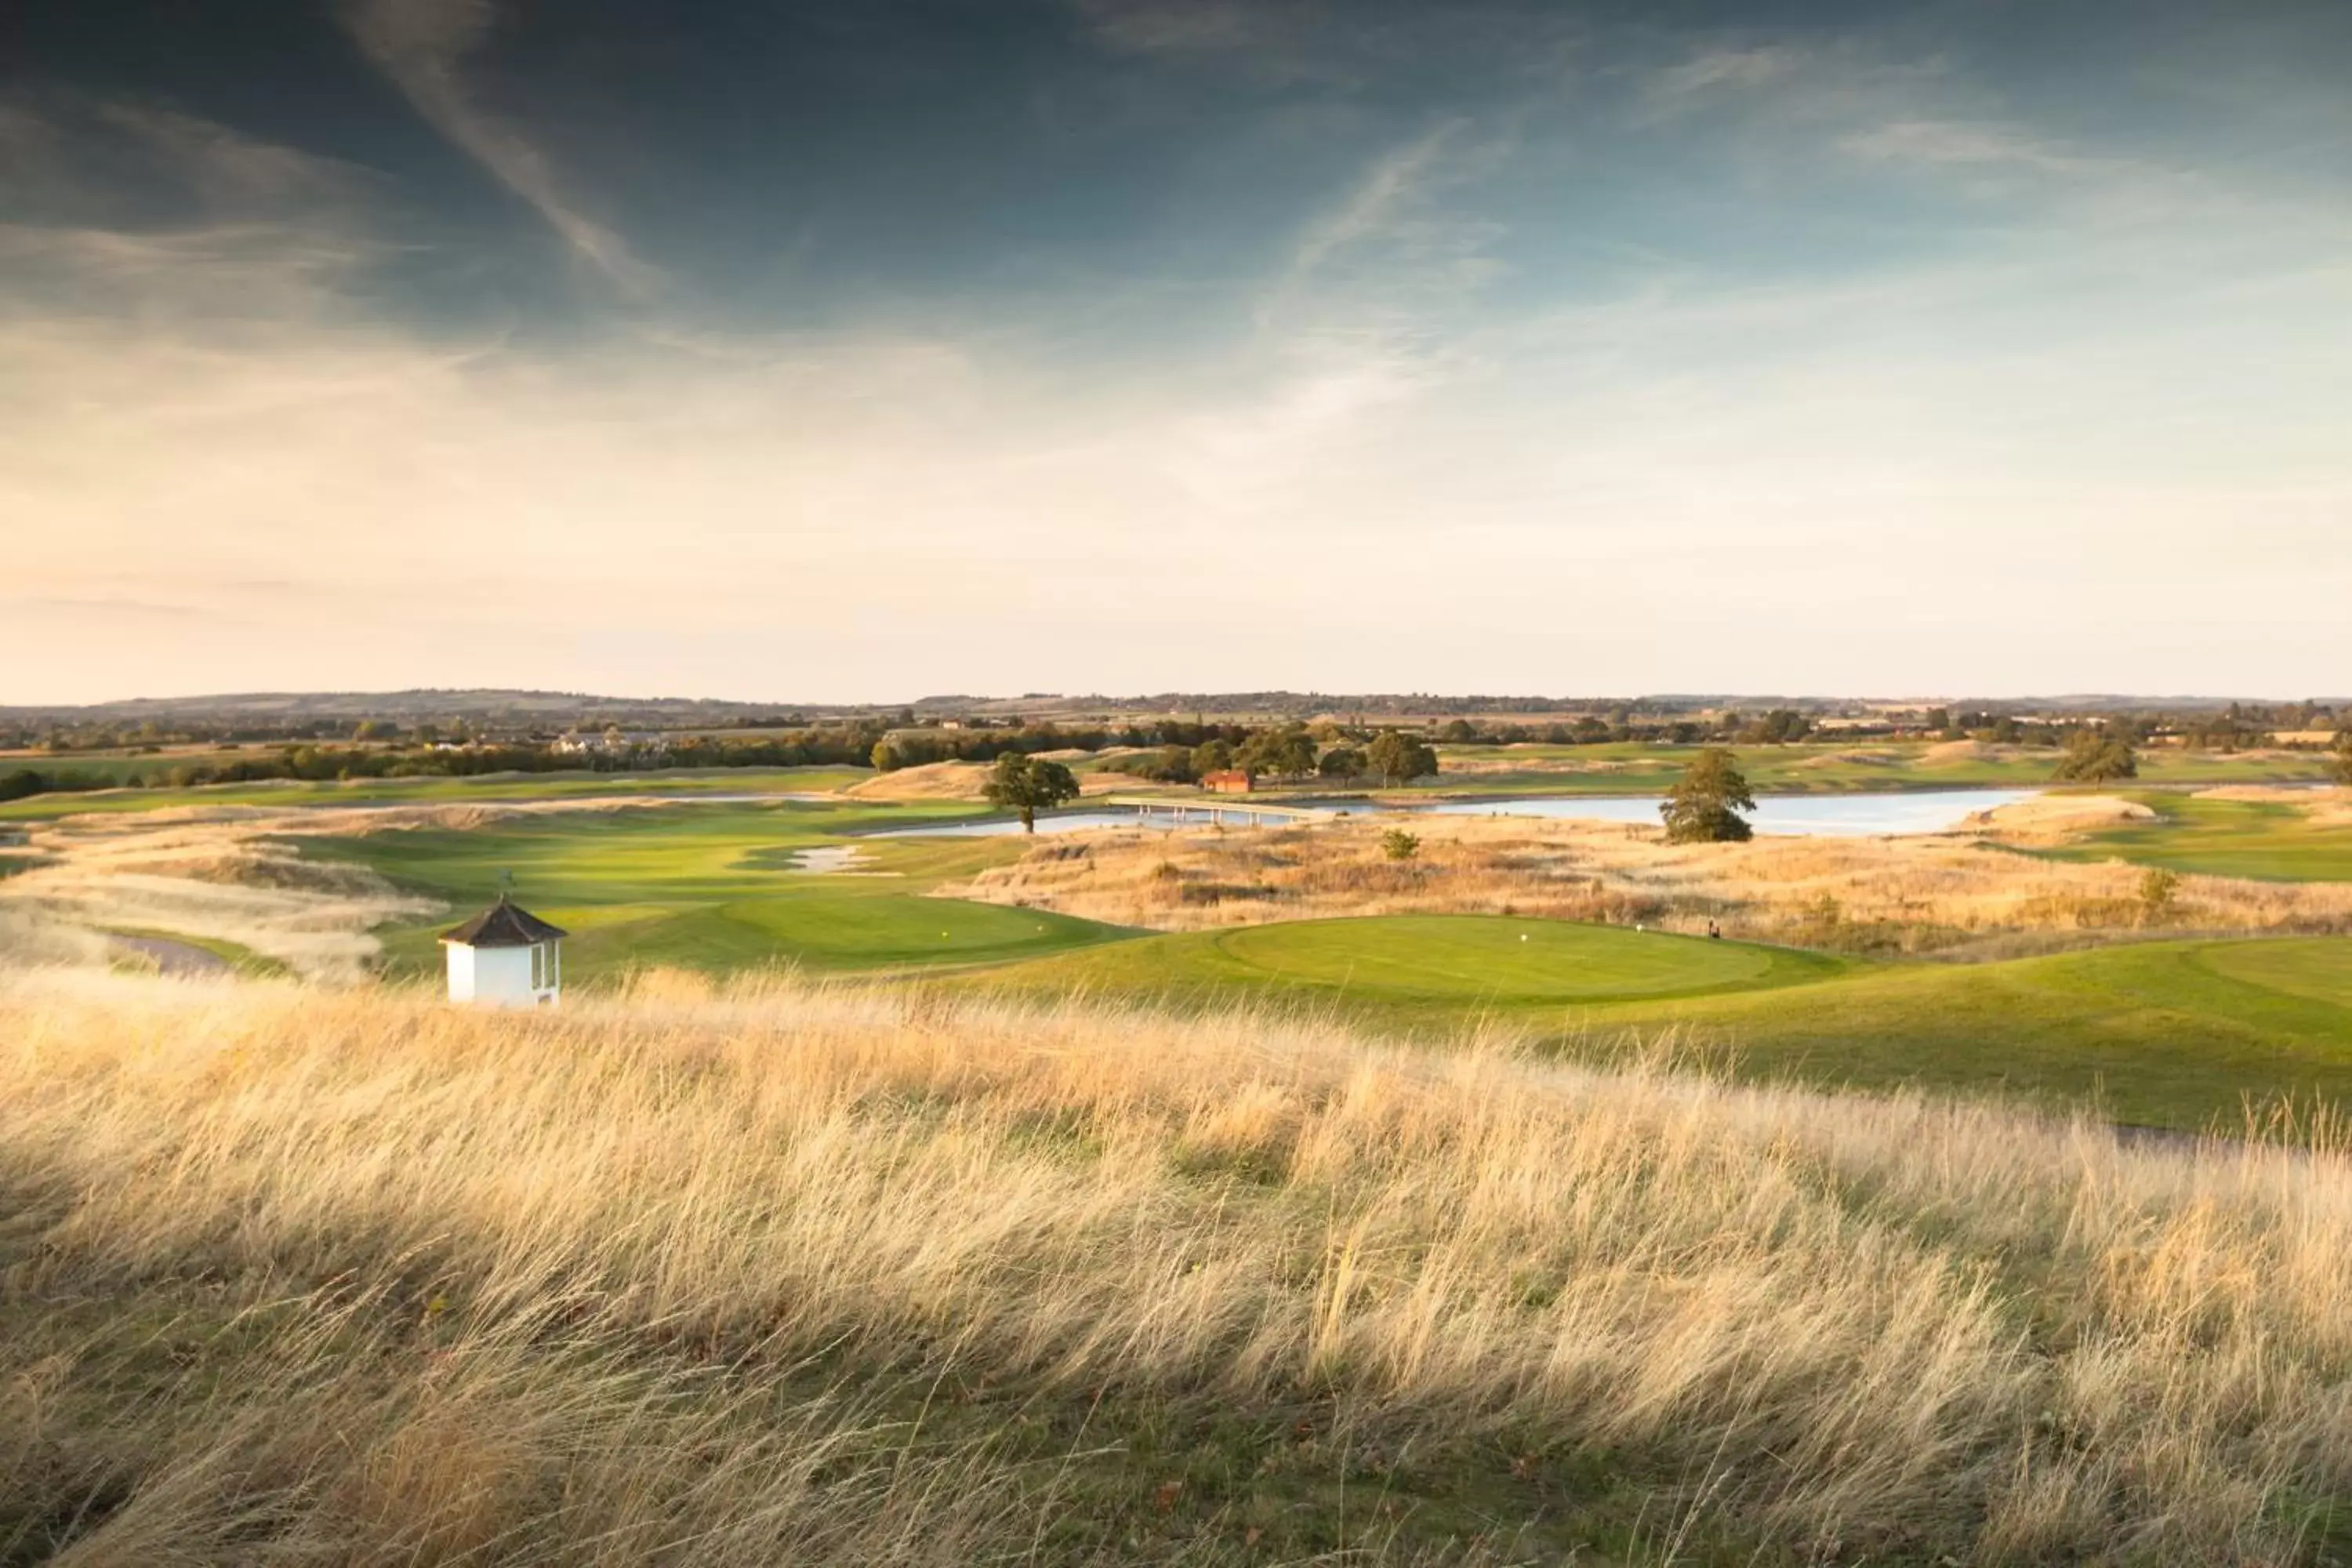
x: 505, y: 957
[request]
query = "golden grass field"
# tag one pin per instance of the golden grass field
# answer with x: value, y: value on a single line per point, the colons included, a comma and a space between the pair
x: 787, y: 1274
x: 1915, y: 893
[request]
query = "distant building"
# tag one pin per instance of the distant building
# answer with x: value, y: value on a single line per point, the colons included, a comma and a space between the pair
x: 1233, y: 781
x: 505, y: 957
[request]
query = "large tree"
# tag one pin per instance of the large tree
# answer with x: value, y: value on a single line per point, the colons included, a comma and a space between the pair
x: 1286, y: 752
x: 1027, y: 785
x: 1703, y: 806
x: 2344, y: 756
x: 1400, y: 759
x: 2096, y: 756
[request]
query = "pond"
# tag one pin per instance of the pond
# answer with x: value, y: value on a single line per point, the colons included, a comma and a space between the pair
x: 1828, y: 815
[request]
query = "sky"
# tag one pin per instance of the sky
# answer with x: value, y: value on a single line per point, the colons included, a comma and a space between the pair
x: 847, y: 352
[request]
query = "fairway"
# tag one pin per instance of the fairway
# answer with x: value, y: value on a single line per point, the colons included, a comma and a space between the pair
x: 2268, y: 840
x: 710, y: 887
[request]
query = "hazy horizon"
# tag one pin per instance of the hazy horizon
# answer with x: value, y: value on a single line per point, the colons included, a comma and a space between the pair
x: 1157, y: 345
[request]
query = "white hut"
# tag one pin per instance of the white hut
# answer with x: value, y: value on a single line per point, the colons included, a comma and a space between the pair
x: 505, y: 957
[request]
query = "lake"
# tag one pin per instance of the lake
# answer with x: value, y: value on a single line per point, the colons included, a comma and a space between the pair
x: 1196, y: 814
x: 1828, y: 815
x: 1832, y: 816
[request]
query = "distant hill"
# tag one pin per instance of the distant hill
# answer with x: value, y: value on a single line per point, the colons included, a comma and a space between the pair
x: 503, y: 709
x: 480, y: 706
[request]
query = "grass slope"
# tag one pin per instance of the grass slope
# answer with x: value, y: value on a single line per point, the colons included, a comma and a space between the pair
x: 818, y: 1276
x: 2167, y: 1033
x: 710, y: 887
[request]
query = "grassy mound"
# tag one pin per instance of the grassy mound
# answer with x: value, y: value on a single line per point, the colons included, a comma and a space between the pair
x: 829, y: 1274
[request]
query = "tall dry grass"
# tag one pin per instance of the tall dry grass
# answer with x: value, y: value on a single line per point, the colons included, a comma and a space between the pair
x: 1910, y: 894
x: 778, y: 1274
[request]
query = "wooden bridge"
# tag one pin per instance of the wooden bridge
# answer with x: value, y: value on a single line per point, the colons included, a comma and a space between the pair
x: 1177, y: 810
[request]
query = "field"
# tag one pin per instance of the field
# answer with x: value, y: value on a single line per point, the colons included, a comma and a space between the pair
x: 792, y: 1274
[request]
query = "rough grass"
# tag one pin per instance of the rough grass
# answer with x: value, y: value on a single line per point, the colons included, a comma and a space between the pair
x: 781, y: 1275
x: 1892, y: 895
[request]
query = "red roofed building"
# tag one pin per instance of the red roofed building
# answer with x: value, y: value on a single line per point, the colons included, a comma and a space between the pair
x: 1233, y: 781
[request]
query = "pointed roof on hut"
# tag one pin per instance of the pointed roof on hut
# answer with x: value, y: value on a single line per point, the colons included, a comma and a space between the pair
x: 504, y: 924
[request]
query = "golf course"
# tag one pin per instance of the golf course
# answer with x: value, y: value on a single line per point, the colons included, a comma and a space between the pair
x: 2180, y: 1033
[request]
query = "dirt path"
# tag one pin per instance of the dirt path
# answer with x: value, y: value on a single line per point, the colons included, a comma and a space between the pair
x: 175, y: 957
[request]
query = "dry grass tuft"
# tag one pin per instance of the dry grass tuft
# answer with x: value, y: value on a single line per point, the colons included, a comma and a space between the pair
x: 1911, y: 894
x: 773, y: 1274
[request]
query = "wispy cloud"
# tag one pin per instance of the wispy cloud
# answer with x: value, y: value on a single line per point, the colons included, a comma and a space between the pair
x: 1717, y: 71
x: 1372, y: 207
x: 1974, y: 144
x: 422, y: 46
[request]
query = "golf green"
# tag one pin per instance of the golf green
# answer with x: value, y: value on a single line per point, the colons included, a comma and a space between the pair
x: 1418, y: 967
x: 1477, y: 956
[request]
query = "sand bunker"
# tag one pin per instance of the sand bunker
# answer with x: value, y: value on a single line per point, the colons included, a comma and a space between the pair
x: 931, y: 780
x: 2053, y: 816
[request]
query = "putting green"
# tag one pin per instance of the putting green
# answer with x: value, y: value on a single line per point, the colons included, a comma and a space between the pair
x: 2318, y: 969
x: 1423, y: 966
x: 1476, y: 956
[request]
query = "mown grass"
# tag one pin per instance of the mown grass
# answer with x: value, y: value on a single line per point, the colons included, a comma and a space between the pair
x: 2270, y: 841
x: 2174, y: 1034
x: 711, y: 887
x: 782, y: 1274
